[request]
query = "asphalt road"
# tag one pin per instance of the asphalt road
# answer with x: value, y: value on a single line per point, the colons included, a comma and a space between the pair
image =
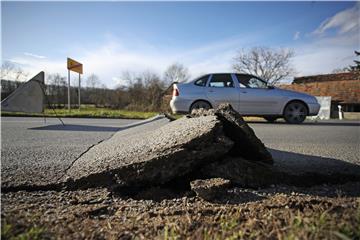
x: 325, y: 147
x: 34, y: 151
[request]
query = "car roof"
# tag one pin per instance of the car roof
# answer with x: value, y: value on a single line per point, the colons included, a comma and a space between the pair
x: 247, y: 74
x: 243, y: 74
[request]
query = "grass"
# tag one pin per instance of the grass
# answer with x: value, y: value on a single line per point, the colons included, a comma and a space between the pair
x: 32, y: 233
x: 91, y: 111
x: 86, y: 112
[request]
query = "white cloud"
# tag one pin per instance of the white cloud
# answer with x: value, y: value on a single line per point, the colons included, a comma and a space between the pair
x: 344, y: 21
x: 326, y: 52
x: 34, y: 55
x: 296, y: 35
x: 113, y: 57
x: 320, y: 53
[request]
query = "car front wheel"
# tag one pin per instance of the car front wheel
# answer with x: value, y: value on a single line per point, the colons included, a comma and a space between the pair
x: 295, y: 112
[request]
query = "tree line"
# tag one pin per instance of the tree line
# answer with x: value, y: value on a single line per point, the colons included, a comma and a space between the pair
x: 144, y: 91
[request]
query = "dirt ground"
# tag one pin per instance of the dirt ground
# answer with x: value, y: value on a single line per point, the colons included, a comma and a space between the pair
x: 277, y: 212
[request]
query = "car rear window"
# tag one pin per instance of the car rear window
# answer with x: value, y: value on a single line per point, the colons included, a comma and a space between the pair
x: 202, y: 81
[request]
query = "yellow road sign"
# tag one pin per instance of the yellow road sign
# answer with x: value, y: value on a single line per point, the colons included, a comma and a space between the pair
x: 75, y: 66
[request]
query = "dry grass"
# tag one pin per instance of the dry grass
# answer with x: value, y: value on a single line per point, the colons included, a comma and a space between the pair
x: 96, y: 214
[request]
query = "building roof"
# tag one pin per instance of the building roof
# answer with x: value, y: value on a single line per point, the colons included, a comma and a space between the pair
x: 328, y: 77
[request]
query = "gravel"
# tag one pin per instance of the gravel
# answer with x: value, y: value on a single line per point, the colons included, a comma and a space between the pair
x: 279, y: 211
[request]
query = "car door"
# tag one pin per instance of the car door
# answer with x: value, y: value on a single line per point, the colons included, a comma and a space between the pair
x: 256, y: 98
x: 221, y: 88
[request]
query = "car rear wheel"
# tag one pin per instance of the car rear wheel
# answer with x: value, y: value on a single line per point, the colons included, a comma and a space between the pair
x: 200, y: 104
x: 295, y: 112
x: 270, y: 118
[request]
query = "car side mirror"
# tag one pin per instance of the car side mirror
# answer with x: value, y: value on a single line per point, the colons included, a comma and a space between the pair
x: 270, y: 87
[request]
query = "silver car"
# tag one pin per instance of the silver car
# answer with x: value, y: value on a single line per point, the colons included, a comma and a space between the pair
x: 247, y: 94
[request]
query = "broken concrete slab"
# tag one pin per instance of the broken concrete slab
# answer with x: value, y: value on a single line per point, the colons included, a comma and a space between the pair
x: 208, y: 189
x: 241, y: 172
x: 153, y: 157
x: 246, y: 144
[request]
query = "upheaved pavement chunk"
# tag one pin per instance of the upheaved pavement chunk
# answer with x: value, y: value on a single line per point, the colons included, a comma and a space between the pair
x: 246, y: 144
x: 242, y: 172
x: 153, y: 157
x: 208, y: 189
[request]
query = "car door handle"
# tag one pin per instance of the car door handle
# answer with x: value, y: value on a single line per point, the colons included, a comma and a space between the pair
x: 244, y: 92
x: 211, y: 90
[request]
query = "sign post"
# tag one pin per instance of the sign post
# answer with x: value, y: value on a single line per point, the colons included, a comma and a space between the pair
x: 74, y: 66
x: 79, y: 91
x: 69, y: 90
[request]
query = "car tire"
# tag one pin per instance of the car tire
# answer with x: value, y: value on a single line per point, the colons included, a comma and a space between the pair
x: 200, y: 104
x: 295, y: 112
x: 270, y: 118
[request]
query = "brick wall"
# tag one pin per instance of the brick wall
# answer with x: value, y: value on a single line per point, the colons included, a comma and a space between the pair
x: 342, y: 87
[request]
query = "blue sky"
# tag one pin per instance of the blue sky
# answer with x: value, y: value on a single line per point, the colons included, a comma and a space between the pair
x: 112, y: 37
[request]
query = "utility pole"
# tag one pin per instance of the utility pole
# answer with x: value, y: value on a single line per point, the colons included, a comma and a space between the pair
x: 69, y: 90
x: 79, y: 91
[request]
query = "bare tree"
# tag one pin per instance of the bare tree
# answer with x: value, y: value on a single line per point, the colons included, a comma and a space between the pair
x: 268, y: 63
x: 176, y: 72
x: 93, y: 81
x: 143, y: 90
x: 10, y: 71
x: 56, y: 88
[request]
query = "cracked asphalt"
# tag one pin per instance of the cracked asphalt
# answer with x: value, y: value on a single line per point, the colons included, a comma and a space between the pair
x: 36, y: 152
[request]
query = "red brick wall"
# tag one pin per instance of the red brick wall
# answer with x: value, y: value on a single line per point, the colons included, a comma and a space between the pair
x: 342, y: 87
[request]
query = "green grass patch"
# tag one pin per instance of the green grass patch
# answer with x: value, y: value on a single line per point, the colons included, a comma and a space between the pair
x: 11, y: 233
x: 86, y: 112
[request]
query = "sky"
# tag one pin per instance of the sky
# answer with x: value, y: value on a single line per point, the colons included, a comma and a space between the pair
x: 110, y: 38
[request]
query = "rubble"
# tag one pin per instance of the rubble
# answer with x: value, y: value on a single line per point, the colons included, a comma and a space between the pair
x: 201, y: 142
x: 241, y: 172
x: 151, y: 158
x: 246, y: 144
x: 209, y: 189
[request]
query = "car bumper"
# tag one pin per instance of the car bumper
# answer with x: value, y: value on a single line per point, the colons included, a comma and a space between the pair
x: 180, y: 105
x: 313, y: 109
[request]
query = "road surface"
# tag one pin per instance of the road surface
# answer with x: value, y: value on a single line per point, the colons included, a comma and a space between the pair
x: 33, y: 151
x: 36, y: 152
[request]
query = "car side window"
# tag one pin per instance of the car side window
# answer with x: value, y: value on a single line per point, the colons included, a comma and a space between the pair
x: 202, y: 81
x: 256, y: 83
x: 250, y: 81
x: 221, y: 81
x: 243, y: 80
